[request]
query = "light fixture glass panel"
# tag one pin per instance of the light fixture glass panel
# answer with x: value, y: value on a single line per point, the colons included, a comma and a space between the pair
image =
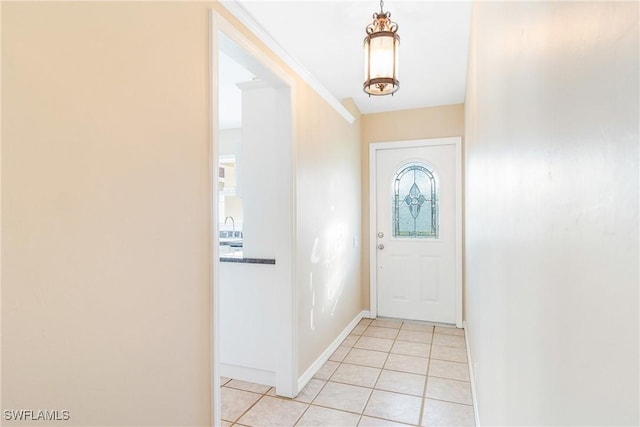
x: 382, y: 57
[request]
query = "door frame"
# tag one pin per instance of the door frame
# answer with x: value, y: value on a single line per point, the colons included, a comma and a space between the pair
x: 287, y: 365
x: 373, y: 270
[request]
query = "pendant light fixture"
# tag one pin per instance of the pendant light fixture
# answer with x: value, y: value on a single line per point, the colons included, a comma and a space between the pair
x: 381, y: 55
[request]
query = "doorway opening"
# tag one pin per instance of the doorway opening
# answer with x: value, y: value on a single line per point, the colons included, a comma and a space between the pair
x: 253, y: 301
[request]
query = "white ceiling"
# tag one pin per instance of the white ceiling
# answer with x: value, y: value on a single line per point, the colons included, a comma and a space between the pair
x: 326, y: 38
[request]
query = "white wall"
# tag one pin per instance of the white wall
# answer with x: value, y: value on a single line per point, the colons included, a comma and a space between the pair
x: 267, y: 173
x: 229, y: 141
x: 552, y: 212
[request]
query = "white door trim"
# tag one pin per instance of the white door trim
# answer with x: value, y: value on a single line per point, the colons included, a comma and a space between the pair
x: 373, y: 149
x: 287, y: 367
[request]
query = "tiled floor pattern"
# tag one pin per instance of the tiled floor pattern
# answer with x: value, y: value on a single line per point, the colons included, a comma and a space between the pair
x: 385, y: 373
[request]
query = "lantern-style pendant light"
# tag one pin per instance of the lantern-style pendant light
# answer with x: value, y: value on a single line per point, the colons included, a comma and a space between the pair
x: 381, y: 55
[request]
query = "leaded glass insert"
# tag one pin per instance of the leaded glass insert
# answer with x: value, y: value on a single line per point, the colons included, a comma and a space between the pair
x: 415, y: 202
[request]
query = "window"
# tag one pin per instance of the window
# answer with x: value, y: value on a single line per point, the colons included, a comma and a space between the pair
x: 415, y: 202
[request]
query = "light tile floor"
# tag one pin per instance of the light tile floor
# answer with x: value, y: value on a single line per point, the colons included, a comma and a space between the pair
x: 386, y: 373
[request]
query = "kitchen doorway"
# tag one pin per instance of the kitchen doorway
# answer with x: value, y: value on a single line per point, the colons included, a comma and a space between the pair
x: 252, y: 268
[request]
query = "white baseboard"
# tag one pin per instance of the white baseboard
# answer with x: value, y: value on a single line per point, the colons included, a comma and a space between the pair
x: 252, y: 375
x: 317, y: 364
x: 474, y: 398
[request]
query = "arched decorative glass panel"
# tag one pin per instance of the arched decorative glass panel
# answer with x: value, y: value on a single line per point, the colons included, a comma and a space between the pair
x: 415, y: 202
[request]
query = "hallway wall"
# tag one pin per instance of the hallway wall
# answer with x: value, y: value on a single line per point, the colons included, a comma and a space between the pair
x: 403, y: 125
x: 328, y: 221
x: 552, y: 212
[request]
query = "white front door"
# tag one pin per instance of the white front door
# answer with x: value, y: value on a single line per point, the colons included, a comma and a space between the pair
x: 415, y: 236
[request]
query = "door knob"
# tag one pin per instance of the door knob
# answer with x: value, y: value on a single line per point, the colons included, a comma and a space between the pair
x: 381, y: 246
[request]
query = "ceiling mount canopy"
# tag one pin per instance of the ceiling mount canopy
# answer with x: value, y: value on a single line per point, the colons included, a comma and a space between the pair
x: 381, y: 55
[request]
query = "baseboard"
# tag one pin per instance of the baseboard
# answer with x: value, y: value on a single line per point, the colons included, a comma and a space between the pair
x: 252, y: 375
x: 474, y: 398
x: 317, y: 364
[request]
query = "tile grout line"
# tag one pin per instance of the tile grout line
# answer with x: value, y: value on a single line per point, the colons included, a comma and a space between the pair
x: 245, y: 411
x: 395, y: 339
x: 357, y: 413
x: 302, y: 414
x: 389, y: 355
x: 378, y: 376
x: 386, y: 359
x: 312, y: 400
x: 399, y: 329
x: 252, y: 405
x: 294, y: 400
x: 388, y: 391
x: 426, y: 381
x: 340, y: 363
x: 328, y: 380
x: 364, y: 408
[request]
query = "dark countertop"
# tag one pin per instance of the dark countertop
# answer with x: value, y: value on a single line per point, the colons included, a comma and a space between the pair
x: 237, y: 257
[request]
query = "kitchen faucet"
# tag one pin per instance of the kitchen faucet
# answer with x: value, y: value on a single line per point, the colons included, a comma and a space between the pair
x: 233, y: 223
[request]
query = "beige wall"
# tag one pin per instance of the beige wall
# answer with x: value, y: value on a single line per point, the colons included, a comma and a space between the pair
x: 105, y: 222
x: 552, y: 212
x: 106, y: 212
x: 421, y: 123
x: 328, y: 218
